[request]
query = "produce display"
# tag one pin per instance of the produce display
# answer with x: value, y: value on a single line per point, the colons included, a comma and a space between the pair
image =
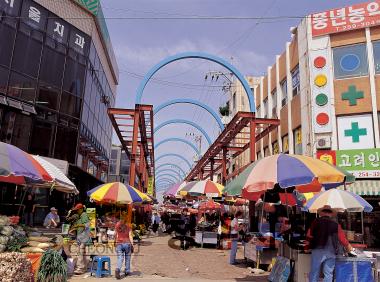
x: 12, y: 236
x: 53, y: 268
x: 15, y: 267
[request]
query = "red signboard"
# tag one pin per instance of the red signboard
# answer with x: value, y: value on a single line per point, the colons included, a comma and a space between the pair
x: 327, y: 156
x: 348, y: 18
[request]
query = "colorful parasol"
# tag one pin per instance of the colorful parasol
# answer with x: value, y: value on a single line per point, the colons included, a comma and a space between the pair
x: 172, y: 191
x: 117, y: 193
x: 60, y: 182
x: 203, y: 187
x: 209, y: 205
x: 339, y: 200
x: 293, y: 170
x: 18, y: 167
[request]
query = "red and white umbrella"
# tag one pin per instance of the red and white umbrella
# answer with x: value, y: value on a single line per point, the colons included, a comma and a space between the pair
x: 203, y: 187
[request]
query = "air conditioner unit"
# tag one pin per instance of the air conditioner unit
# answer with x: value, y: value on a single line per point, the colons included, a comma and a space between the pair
x: 324, y: 142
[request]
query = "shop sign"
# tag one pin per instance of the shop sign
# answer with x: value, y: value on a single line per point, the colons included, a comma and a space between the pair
x: 10, y: 7
x: 276, y: 149
x: 150, y: 186
x: 285, y: 144
x: 327, y: 156
x: 34, y: 15
x: 363, y: 163
x: 298, y: 135
x: 347, y: 18
x: 79, y: 41
x: 58, y: 29
x: 355, y: 132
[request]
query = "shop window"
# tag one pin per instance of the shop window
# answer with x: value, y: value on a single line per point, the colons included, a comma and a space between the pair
x: 376, y: 55
x: 285, y: 144
x: 274, y: 103
x: 13, y: 129
x: 22, y: 87
x: 266, y: 152
x: 3, y: 79
x: 296, y: 81
x: 350, y: 61
x: 73, y: 81
x: 265, y: 107
x: 66, y: 144
x: 42, y: 140
x: 52, y: 58
x: 47, y: 96
x: 27, y: 54
x: 297, y: 133
x: 112, y: 167
x: 7, y: 35
x: 258, y: 113
x: 70, y: 105
x: 284, y: 92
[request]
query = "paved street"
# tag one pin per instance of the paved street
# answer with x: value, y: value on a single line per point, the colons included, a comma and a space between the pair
x: 154, y: 259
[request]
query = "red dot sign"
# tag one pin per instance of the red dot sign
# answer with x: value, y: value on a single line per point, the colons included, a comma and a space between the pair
x: 322, y: 118
x: 319, y: 62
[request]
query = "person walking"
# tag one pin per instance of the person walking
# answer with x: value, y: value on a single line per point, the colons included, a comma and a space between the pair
x: 323, y: 237
x: 124, y: 245
x: 155, y: 222
x: 234, y: 236
x: 82, y: 228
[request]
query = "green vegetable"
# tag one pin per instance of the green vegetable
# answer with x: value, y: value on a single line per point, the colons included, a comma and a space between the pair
x: 7, y: 230
x: 53, y: 268
x: 16, y: 243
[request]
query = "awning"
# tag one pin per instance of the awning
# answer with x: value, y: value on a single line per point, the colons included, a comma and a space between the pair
x: 364, y: 187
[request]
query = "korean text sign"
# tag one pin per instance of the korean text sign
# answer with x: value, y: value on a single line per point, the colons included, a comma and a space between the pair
x: 347, y: 18
x: 363, y: 163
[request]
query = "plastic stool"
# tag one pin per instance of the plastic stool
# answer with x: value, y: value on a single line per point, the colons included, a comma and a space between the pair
x: 100, y: 262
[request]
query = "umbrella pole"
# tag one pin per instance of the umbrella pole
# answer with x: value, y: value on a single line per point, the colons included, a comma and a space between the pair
x: 22, y: 201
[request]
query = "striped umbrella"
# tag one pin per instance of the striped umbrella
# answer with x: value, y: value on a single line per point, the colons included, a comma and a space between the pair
x: 339, y: 200
x: 293, y: 170
x: 172, y: 191
x: 117, y: 193
x: 203, y: 187
x: 18, y: 167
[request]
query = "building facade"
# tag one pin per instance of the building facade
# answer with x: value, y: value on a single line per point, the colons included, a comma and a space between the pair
x: 325, y: 89
x: 58, y: 77
x: 119, y: 165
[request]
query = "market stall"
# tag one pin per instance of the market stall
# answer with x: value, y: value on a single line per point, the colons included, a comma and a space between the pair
x: 208, y: 222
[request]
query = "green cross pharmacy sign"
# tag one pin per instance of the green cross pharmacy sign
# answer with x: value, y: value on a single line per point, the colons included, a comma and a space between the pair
x: 363, y: 163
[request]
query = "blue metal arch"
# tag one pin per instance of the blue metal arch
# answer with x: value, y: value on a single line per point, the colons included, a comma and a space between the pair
x: 193, y: 102
x: 184, y: 121
x: 167, y: 174
x: 196, y: 55
x: 172, y: 165
x: 157, y: 172
x: 174, y: 139
x: 168, y: 180
x: 173, y: 155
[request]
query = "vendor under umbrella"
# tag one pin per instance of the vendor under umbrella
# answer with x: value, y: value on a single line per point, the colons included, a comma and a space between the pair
x: 324, y: 237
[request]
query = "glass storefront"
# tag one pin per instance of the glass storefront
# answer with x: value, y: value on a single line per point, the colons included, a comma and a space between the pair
x: 53, y: 89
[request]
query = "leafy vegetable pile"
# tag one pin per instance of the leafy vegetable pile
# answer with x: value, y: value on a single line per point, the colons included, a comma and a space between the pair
x: 53, y: 268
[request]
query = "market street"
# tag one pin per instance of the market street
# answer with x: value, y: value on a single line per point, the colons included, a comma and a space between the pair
x: 156, y: 260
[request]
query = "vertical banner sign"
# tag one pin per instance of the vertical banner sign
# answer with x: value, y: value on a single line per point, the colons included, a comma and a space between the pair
x: 285, y: 144
x: 34, y: 15
x: 150, y: 186
x: 10, y: 7
x: 91, y: 212
x: 347, y: 18
x: 363, y: 163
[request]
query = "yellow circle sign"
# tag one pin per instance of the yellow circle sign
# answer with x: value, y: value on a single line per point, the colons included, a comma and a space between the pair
x: 320, y: 80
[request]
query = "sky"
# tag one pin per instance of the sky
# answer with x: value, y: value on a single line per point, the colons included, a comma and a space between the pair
x: 249, y: 44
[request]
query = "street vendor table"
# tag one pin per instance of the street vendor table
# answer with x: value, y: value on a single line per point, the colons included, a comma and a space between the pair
x: 206, y: 237
x: 259, y: 254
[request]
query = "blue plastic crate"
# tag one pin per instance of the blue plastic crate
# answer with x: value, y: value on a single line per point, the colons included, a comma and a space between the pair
x: 353, y: 270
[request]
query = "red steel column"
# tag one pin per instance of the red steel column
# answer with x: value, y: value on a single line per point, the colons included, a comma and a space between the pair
x: 132, y: 169
x: 141, y: 168
x: 212, y: 169
x: 224, y: 166
x: 252, y: 140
